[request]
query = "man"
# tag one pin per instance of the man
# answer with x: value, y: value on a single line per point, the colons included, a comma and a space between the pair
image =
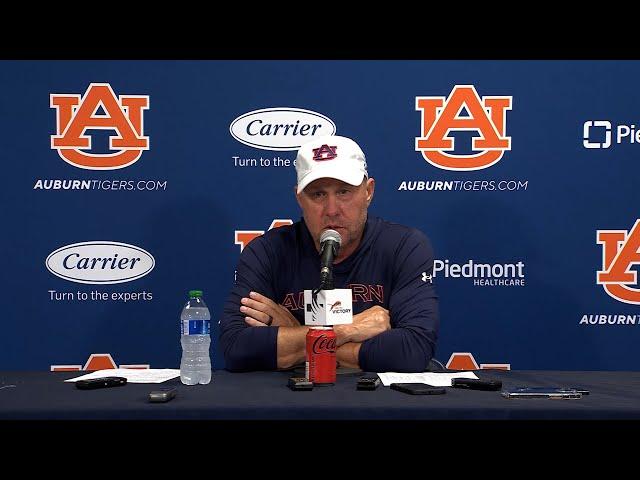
x: 388, y: 267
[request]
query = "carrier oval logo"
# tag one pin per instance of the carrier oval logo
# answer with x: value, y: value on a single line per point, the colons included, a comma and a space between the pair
x: 100, y: 262
x: 281, y: 128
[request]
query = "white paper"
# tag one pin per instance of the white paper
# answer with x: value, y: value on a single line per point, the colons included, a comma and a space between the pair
x: 147, y: 375
x: 437, y: 379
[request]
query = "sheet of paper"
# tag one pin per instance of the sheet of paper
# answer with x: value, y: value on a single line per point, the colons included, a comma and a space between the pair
x: 437, y: 379
x: 150, y: 375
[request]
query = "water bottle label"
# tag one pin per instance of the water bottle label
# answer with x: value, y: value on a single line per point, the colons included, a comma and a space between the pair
x: 195, y: 327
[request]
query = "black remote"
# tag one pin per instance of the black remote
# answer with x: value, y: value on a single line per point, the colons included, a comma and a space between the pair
x: 476, y: 384
x: 102, y: 382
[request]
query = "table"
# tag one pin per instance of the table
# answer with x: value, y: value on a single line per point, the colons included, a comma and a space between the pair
x: 265, y: 396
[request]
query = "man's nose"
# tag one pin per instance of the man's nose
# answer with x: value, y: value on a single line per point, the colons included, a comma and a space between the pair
x: 332, y: 208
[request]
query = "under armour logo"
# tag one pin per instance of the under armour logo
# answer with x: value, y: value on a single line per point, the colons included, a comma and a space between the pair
x: 426, y: 277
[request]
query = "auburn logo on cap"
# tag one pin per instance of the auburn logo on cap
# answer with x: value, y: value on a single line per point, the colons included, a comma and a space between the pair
x: 325, y: 152
x: 441, y: 116
x: 75, y: 114
x: 620, y: 251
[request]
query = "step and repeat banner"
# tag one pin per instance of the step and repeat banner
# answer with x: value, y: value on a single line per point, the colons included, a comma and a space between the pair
x: 128, y: 183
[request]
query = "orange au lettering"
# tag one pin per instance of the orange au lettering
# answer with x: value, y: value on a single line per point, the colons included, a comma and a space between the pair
x: 75, y: 114
x: 440, y: 116
x: 620, y: 251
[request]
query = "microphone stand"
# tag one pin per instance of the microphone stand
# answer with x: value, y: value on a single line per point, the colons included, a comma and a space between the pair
x: 326, y: 280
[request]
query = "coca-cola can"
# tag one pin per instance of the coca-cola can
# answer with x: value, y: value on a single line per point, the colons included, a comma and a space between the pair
x: 321, y: 356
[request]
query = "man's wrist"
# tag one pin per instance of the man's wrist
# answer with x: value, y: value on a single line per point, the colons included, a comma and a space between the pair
x: 347, y: 355
x: 291, y: 345
x: 343, y: 333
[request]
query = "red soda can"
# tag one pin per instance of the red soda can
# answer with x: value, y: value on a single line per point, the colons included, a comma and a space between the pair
x: 321, y: 356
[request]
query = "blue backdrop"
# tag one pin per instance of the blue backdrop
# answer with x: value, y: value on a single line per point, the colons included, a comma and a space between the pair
x: 570, y: 171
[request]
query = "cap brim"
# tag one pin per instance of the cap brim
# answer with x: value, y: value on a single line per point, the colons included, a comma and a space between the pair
x: 329, y: 171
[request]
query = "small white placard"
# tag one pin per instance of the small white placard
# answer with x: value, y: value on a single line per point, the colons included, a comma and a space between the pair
x: 328, y: 307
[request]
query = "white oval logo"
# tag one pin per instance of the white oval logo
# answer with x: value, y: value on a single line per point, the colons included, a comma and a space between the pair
x: 282, y: 128
x: 100, y: 262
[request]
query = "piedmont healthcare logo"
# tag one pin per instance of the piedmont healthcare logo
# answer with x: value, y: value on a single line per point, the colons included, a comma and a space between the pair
x: 599, y: 134
x: 482, y: 274
x: 463, y: 132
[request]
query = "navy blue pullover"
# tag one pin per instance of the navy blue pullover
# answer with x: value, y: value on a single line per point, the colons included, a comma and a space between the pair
x: 392, y: 267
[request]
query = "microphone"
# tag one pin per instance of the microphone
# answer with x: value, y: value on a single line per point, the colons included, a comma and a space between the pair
x: 330, y: 241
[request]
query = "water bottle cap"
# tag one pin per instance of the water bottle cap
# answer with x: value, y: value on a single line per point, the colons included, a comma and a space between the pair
x: 195, y: 293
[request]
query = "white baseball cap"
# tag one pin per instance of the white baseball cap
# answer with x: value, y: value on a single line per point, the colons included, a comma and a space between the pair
x: 330, y: 156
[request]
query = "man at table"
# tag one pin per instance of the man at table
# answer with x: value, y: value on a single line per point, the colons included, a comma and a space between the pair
x: 388, y: 267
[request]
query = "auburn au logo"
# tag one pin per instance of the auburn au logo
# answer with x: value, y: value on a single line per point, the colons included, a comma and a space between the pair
x: 620, y: 251
x: 75, y: 114
x: 325, y: 152
x: 243, y: 237
x: 441, y: 116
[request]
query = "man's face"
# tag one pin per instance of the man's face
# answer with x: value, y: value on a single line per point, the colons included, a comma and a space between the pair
x: 330, y: 203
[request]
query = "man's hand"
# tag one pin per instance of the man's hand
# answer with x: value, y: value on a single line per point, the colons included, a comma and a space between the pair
x: 366, y: 325
x: 261, y: 311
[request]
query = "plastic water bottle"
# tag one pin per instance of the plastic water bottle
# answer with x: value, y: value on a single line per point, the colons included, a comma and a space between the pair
x: 195, y: 326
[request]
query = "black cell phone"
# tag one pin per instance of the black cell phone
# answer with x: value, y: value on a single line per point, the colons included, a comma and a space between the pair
x: 417, y: 388
x: 476, y: 384
x: 368, y: 383
x: 299, y: 383
x: 163, y: 395
x: 102, y: 382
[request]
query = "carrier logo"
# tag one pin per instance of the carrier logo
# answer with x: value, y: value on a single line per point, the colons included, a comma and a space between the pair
x: 281, y: 128
x: 599, y: 134
x: 620, y: 251
x: 76, y: 114
x: 100, y: 262
x: 441, y: 116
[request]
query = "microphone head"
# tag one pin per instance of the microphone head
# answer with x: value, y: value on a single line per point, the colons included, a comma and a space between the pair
x: 329, y: 234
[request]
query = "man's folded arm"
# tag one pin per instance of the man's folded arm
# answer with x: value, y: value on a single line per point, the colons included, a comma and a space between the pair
x: 413, y: 306
x: 403, y: 349
x: 247, y: 348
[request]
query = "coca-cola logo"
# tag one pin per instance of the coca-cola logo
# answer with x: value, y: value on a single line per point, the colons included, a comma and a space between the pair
x: 324, y: 344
